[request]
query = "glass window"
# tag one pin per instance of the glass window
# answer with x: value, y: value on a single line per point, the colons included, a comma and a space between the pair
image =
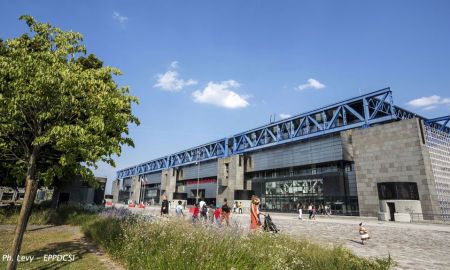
x: 398, y: 191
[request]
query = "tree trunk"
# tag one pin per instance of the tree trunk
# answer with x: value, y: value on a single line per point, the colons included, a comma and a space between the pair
x: 25, y: 211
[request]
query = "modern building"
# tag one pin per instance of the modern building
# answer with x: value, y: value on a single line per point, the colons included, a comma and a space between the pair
x: 361, y: 156
x: 80, y: 191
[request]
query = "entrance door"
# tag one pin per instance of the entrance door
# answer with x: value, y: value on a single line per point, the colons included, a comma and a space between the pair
x: 391, y: 207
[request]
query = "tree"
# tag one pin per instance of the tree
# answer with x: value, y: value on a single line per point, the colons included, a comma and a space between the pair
x: 60, y: 112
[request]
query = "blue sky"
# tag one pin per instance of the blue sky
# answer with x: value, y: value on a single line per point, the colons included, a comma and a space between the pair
x: 207, y: 69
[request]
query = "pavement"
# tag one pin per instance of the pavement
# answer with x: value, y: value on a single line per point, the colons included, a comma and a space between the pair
x: 411, y: 245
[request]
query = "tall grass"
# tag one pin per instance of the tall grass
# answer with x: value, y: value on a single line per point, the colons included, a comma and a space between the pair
x: 175, y: 244
x: 150, y: 243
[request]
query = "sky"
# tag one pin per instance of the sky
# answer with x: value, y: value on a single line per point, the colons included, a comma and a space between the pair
x: 203, y: 70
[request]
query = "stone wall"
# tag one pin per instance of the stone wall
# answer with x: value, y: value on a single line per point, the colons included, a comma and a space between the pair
x: 391, y: 152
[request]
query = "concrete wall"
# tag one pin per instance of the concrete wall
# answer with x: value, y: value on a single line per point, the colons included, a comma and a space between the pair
x: 115, y: 190
x: 168, y: 182
x: 391, y: 152
x: 230, y: 177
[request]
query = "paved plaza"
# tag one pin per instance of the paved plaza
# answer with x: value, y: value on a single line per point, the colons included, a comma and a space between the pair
x: 412, y: 246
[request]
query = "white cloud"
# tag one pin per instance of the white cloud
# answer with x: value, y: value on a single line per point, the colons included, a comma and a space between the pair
x: 311, y: 83
x: 284, y: 115
x: 169, y: 81
x: 221, y: 94
x: 429, y: 103
x: 120, y: 18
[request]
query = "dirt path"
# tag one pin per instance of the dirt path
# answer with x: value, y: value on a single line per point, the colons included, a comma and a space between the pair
x: 63, y: 239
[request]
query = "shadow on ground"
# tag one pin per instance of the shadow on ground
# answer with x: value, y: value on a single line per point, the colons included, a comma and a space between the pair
x: 75, y: 248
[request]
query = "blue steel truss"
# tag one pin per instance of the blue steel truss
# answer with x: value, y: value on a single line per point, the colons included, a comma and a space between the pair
x: 440, y: 123
x: 362, y: 111
x: 200, y: 153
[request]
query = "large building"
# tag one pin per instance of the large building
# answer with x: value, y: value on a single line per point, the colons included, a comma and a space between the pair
x: 361, y: 156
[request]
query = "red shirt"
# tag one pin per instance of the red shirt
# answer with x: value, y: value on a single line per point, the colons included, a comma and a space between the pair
x: 217, y: 212
x: 196, y: 211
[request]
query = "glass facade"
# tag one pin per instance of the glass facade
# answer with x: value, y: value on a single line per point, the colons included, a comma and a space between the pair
x: 281, y: 190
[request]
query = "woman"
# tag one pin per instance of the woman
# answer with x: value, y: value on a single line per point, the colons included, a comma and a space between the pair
x: 255, y: 222
x: 164, y: 206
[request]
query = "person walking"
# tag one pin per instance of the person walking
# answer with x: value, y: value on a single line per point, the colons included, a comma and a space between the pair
x: 255, y: 221
x: 310, y: 210
x: 164, y: 206
x: 204, y: 212
x: 217, y: 214
x: 300, y: 210
x: 364, y: 233
x: 225, y: 215
x: 211, y: 213
x: 240, y: 207
x: 179, y: 209
x: 314, y: 212
x: 195, y: 213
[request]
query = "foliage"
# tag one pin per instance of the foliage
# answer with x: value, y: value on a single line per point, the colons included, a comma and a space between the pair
x: 58, y: 105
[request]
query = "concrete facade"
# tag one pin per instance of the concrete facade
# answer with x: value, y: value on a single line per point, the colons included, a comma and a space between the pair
x: 392, y: 152
x: 347, y: 165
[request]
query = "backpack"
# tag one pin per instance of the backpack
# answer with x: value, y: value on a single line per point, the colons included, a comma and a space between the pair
x: 204, y: 209
x: 226, y: 208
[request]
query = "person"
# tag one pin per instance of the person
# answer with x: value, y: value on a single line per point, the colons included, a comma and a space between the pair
x: 321, y: 209
x: 202, y: 202
x: 300, y: 210
x: 327, y: 210
x: 164, y: 206
x: 225, y: 214
x: 364, y: 233
x: 314, y: 212
x: 204, y: 212
x: 240, y: 207
x: 195, y: 213
x: 217, y: 214
x: 255, y: 221
x: 211, y: 213
x: 310, y: 210
x: 179, y: 209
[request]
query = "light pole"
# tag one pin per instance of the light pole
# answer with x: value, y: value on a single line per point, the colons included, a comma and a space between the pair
x: 198, y: 174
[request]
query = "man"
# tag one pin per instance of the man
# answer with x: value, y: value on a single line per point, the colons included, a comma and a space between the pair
x: 225, y: 212
x: 202, y: 202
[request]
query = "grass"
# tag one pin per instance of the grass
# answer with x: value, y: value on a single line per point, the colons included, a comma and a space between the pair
x: 176, y: 244
x: 56, y: 240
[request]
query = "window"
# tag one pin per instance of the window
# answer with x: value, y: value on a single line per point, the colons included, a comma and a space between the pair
x: 398, y: 191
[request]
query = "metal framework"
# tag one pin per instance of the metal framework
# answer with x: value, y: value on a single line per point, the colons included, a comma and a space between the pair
x: 362, y: 111
x: 439, y: 123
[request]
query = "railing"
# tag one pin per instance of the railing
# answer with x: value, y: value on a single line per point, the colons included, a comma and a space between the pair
x: 430, y: 218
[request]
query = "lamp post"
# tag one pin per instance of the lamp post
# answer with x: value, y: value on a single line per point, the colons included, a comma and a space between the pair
x: 198, y: 174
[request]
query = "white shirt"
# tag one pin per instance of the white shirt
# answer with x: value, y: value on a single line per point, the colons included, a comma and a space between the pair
x: 201, y: 205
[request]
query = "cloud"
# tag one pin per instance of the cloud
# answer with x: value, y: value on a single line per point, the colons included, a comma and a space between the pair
x: 120, y: 18
x: 429, y: 103
x: 284, y: 115
x: 221, y: 94
x: 311, y: 83
x: 169, y: 81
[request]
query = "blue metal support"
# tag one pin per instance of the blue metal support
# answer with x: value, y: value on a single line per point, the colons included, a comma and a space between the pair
x: 440, y: 123
x: 362, y: 111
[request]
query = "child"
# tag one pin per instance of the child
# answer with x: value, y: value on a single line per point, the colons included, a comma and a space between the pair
x: 179, y: 209
x: 195, y: 214
x: 217, y: 213
x: 364, y: 233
